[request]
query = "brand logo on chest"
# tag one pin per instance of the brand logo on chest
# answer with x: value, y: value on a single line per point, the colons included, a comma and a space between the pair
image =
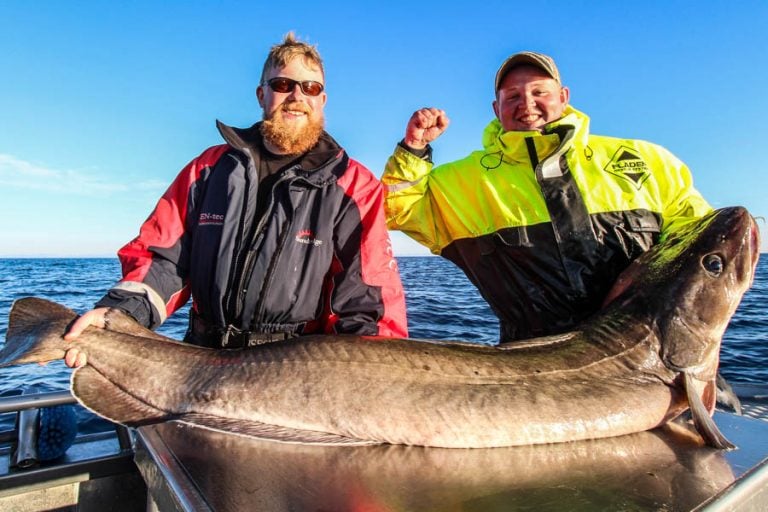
x: 627, y: 164
x: 306, y: 236
x: 210, y: 219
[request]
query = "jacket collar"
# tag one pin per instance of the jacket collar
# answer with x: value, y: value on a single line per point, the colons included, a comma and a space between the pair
x: 318, y: 166
x: 515, y: 145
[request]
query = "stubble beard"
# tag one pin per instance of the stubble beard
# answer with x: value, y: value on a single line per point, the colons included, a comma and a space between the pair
x: 290, y: 138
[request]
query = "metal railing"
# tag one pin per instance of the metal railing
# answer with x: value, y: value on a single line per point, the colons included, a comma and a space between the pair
x: 92, y: 458
x: 18, y: 403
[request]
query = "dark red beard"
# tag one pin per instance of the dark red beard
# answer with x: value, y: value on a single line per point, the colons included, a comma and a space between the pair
x: 289, y: 139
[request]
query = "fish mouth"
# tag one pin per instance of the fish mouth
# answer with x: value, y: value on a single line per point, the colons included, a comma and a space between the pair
x: 754, y: 246
x: 749, y: 238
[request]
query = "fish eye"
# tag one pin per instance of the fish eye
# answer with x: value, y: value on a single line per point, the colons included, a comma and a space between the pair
x: 713, y: 264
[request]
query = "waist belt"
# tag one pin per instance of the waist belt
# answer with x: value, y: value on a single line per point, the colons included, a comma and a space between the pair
x: 204, y: 334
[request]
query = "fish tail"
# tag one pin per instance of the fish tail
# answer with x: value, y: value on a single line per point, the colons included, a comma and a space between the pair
x: 35, y: 332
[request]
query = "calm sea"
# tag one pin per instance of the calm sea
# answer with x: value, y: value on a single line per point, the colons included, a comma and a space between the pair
x: 442, y: 304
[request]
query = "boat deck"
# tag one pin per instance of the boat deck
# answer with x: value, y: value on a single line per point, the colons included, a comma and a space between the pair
x: 175, y: 467
x: 755, y: 410
x: 188, y: 468
x: 97, y: 469
x: 754, y: 400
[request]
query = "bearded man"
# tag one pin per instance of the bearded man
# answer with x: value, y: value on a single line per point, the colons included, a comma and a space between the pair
x: 276, y: 233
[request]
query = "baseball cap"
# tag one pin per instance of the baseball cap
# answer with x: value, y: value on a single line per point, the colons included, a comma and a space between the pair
x: 541, y: 61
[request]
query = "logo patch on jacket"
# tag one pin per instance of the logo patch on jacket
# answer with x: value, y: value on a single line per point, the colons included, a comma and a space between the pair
x: 210, y: 219
x: 306, y: 236
x: 627, y: 164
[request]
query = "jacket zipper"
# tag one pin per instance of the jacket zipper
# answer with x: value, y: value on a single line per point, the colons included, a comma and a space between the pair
x: 257, y: 313
x: 247, y: 268
x: 231, y: 297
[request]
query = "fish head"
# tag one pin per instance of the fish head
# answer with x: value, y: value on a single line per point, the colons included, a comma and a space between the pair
x: 687, y: 288
x: 690, y: 285
x: 712, y: 264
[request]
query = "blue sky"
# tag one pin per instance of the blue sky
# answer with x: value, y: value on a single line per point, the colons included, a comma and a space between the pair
x: 102, y: 103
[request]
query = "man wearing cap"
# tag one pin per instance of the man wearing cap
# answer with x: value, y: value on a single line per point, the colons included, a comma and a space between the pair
x: 544, y: 218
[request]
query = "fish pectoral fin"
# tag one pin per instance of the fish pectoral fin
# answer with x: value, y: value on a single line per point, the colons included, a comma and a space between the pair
x: 268, y: 432
x: 703, y: 422
x: 726, y: 396
x: 101, y: 396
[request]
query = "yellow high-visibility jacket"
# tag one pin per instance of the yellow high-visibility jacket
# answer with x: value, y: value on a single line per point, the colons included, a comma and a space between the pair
x: 542, y: 223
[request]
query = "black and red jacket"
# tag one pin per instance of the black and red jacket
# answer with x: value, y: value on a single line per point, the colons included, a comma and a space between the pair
x: 318, y: 259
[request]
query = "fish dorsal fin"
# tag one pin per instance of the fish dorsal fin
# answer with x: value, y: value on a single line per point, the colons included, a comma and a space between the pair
x: 101, y: 396
x: 269, y: 432
x: 552, y: 341
x: 703, y: 422
x: 118, y: 321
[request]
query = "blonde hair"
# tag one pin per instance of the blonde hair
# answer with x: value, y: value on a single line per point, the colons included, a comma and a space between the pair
x: 289, y: 49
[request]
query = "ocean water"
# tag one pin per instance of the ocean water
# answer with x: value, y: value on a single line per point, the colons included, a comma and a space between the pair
x: 442, y: 304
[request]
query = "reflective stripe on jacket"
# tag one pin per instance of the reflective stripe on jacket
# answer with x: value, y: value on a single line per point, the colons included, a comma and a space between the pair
x: 542, y: 224
x: 318, y: 260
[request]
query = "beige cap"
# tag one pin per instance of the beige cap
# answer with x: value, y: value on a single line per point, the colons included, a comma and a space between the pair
x: 541, y: 61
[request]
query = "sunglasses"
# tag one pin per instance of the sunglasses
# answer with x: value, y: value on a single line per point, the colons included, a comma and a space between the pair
x: 308, y: 87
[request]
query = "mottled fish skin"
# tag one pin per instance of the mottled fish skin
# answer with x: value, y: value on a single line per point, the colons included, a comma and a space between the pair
x: 625, y: 370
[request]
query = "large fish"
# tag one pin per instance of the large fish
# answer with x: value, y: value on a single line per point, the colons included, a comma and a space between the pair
x: 648, y: 356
